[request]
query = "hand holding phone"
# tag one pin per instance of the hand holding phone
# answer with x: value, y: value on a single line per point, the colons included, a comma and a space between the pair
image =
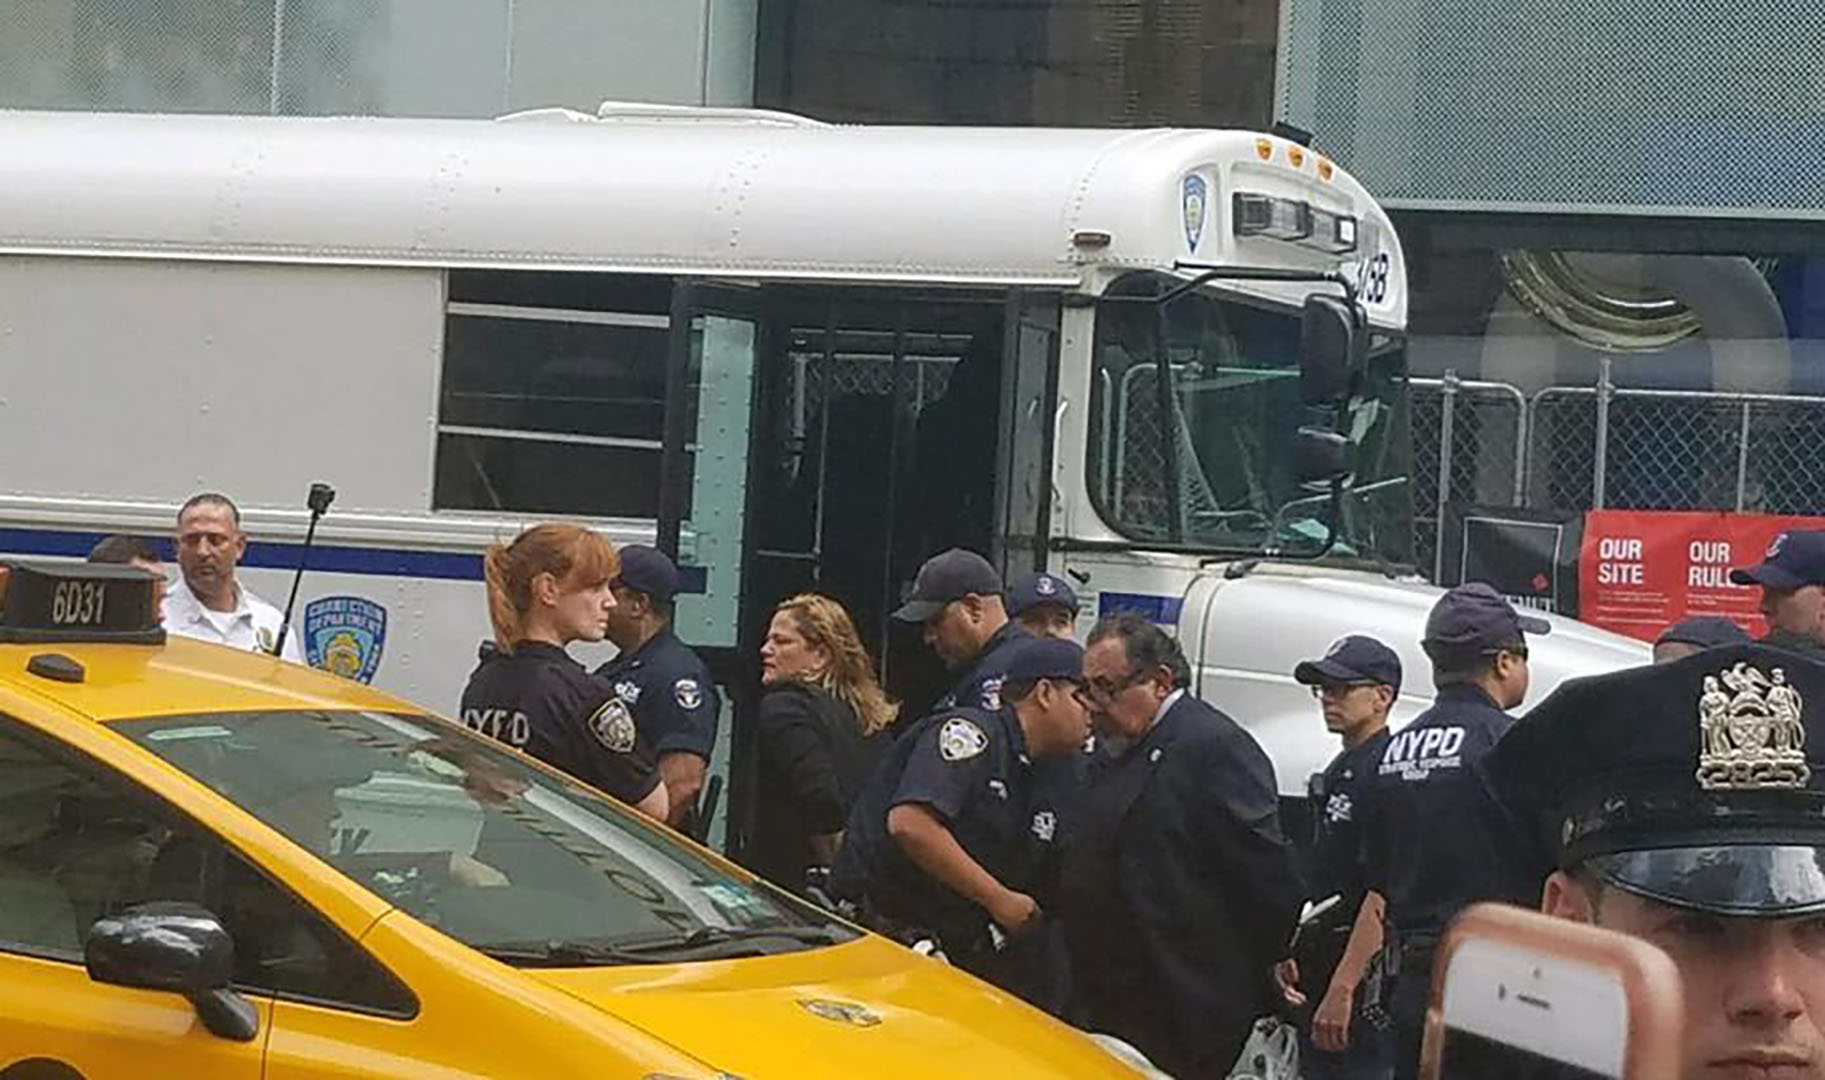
x: 1517, y: 995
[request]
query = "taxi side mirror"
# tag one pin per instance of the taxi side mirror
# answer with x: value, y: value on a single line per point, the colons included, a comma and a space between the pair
x: 174, y: 946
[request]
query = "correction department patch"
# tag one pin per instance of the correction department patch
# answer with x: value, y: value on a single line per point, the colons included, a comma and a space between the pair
x: 613, y: 727
x: 960, y: 739
x: 345, y: 635
x: 687, y: 694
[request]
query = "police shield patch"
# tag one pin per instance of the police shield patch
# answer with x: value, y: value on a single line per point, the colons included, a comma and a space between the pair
x: 960, y: 740
x: 687, y: 694
x: 345, y: 635
x: 613, y: 727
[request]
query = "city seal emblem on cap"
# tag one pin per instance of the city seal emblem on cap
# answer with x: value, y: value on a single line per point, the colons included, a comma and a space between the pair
x: 613, y: 727
x: 1750, y: 734
x: 960, y: 739
x: 1045, y: 586
x: 687, y: 694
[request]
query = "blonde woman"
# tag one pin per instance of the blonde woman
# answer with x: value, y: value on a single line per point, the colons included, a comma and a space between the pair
x: 548, y: 588
x: 819, y: 718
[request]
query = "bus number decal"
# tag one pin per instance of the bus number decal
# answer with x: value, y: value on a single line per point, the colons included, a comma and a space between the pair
x: 1372, y: 278
x: 77, y: 603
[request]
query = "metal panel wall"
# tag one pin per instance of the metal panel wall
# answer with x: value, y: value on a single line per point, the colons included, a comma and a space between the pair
x: 1703, y: 106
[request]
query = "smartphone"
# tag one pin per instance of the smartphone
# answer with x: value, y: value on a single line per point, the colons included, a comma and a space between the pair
x: 1518, y: 995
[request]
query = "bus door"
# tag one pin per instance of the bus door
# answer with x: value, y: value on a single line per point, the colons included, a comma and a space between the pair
x: 704, y: 504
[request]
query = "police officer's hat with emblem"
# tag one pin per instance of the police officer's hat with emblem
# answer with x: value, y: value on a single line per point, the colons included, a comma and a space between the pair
x: 1040, y: 589
x: 1698, y: 783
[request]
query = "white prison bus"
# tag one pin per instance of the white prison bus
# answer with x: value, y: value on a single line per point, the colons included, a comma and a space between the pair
x: 805, y: 356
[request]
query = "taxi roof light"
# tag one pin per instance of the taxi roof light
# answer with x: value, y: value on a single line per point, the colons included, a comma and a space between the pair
x: 45, y: 603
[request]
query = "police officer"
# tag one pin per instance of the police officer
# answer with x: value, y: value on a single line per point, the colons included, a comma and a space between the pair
x: 1792, y: 577
x: 548, y: 588
x: 952, y: 836
x: 1695, y: 633
x: 1356, y: 683
x: 1430, y: 833
x: 1681, y: 803
x: 1044, y: 605
x: 661, y: 681
x: 957, y: 596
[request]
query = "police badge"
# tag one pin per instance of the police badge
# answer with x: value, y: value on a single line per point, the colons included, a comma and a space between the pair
x: 345, y: 635
x: 613, y: 727
x: 1195, y: 203
x: 960, y: 739
x: 1750, y: 735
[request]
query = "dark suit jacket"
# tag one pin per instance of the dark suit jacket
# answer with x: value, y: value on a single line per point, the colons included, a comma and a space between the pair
x: 1180, y: 892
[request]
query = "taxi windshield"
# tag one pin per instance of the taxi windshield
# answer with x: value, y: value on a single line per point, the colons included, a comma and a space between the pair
x: 465, y: 837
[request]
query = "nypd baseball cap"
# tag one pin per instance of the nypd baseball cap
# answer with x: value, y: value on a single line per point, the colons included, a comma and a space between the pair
x: 1046, y: 658
x: 947, y: 576
x: 1357, y: 658
x: 1794, y: 559
x: 1041, y: 588
x: 1698, y: 783
x: 1704, y: 631
x: 646, y: 570
x: 1474, y: 615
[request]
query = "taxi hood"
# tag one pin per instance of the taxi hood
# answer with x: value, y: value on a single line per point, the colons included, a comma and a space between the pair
x: 1244, y: 635
x: 866, y: 1008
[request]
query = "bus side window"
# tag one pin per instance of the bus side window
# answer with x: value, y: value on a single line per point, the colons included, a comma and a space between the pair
x: 553, y: 393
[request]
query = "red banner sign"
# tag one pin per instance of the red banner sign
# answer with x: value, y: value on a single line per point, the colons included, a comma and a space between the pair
x: 1640, y: 571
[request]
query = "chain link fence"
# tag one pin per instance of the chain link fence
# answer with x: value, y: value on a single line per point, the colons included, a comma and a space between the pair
x: 1573, y: 448
x: 1470, y: 445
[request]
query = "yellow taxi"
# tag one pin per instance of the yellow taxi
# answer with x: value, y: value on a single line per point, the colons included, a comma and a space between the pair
x: 217, y: 864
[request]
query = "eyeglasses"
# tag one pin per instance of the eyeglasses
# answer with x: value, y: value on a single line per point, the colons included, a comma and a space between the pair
x: 1103, y: 688
x: 1338, y: 689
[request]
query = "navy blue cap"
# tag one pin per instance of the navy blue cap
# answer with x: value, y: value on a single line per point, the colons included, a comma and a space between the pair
x: 1041, y: 588
x: 1357, y: 658
x: 947, y: 576
x: 1475, y: 615
x: 1704, y: 631
x: 1698, y: 783
x: 1046, y: 658
x: 1794, y: 559
x: 646, y: 570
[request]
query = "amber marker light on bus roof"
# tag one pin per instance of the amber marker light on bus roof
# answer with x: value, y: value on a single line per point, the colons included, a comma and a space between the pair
x: 1264, y: 149
x: 1296, y: 155
x: 1324, y: 168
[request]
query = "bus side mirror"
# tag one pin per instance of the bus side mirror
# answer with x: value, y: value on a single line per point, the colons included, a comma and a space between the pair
x: 1327, y: 350
x: 1321, y: 455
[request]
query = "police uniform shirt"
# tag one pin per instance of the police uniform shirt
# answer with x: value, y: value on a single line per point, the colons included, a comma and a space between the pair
x: 1432, y: 836
x: 540, y: 700
x: 253, y: 625
x: 980, y: 686
x: 667, y: 688
x: 1337, y: 842
x: 971, y: 769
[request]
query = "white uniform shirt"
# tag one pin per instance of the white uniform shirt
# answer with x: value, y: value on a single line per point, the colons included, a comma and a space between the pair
x: 252, y: 625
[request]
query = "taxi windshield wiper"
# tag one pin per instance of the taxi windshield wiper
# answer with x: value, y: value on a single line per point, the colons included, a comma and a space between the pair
x: 561, y: 953
x: 707, y: 942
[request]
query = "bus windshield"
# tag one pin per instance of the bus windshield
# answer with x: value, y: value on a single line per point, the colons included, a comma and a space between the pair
x: 1218, y: 471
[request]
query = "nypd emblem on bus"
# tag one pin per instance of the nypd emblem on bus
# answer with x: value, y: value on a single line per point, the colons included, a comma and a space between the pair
x: 344, y: 635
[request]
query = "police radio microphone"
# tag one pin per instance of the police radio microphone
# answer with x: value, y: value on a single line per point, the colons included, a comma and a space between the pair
x: 319, y: 499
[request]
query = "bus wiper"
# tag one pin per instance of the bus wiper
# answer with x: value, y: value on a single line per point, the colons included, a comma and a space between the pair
x: 561, y: 953
x: 711, y: 939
